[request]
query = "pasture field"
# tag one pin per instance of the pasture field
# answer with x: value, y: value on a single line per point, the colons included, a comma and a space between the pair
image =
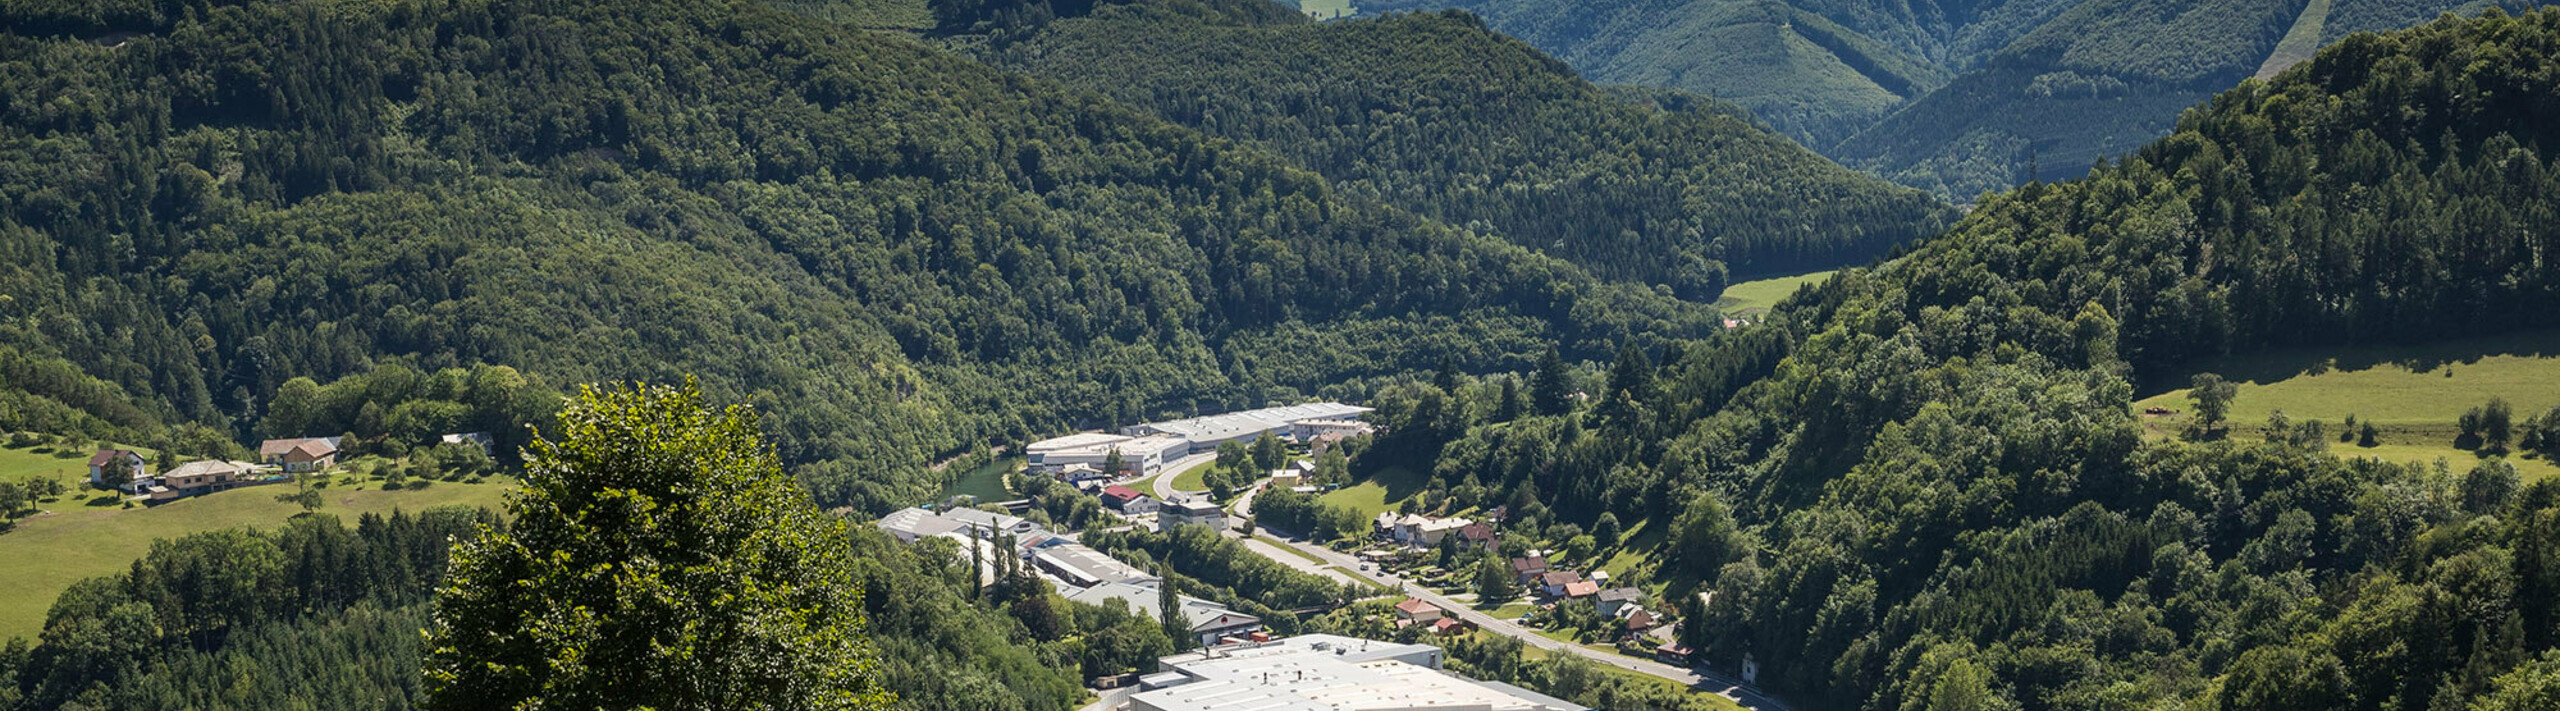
x: 1755, y: 296
x: 73, y: 540
x: 2413, y: 394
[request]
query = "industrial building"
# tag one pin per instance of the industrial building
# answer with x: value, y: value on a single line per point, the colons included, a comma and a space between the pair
x: 1319, y: 672
x: 1082, y: 566
x: 1211, y: 622
x: 1146, y: 448
x: 1138, y: 455
x: 1206, y: 433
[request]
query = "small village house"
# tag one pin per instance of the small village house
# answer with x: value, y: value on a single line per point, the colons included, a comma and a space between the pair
x: 140, y: 469
x: 1414, y: 611
x: 306, y: 454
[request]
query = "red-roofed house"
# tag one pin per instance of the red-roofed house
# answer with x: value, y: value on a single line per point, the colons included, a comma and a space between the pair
x: 1448, y: 625
x: 1528, y: 569
x: 307, y: 454
x: 1478, y: 536
x: 1413, y: 611
x: 1582, y: 589
x: 1127, y: 500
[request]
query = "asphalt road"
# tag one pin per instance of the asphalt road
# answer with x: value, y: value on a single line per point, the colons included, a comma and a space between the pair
x: 1164, y: 479
x: 1701, y: 679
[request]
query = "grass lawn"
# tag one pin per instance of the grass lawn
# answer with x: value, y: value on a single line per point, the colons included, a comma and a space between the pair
x: 1380, y: 494
x: 1713, y: 700
x: 1510, y: 610
x: 18, y: 465
x: 47, y: 553
x: 1634, y: 552
x: 2412, y: 393
x: 1194, y: 479
x: 1751, y: 296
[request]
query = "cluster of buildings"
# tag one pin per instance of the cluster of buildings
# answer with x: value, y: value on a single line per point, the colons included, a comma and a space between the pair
x: 1317, y: 672
x: 1419, y: 531
x: 212, y: 475
x: 1079, y: 572
x: 1558, y: 586
x: 276, y: 457
x: 1416, y: 611
x: 1144, y: 449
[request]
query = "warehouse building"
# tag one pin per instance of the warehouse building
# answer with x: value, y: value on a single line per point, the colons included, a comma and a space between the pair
x: 1319, y: 672
x: 1206, y: 433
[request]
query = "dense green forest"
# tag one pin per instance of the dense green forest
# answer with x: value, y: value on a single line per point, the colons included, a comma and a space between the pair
x: 897, y: 253
x: 1958, y: 97
x: 1434, y: 113
x: 1927, y: 476
x: 242, y: 619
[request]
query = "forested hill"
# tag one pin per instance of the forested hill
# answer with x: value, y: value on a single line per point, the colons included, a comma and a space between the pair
x: 1923, y: 483
x: 1437, y: 114
x: 895, y: 252
x: 1958, y: 97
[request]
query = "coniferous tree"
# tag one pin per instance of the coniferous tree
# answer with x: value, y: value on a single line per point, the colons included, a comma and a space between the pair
x: 1551, y: 387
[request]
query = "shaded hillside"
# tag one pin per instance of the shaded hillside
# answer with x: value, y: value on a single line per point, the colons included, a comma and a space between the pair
x: 1924, y: 481
x: 1815, y: 71
x: 894, y: 252
x: 1434, y: 113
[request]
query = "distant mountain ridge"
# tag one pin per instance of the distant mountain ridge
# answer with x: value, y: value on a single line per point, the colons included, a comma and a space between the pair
x: 1957, y: 98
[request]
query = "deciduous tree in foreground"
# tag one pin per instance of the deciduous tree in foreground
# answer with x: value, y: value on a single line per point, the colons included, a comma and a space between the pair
x: 659, y: 559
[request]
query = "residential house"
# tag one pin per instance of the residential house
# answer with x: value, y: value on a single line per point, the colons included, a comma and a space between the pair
x: 1425, y: 531
x: 1128, y: 501
x: 1448, y: 625
x: 203, y: 477
x: 1528, y: 569
x: 1640, y: 620
x: 306, y: 454
x: 1613, y: 600
x: 1414, y: 611
x: 1286, y: 478
x: 1192, y: 512
x: 140, y: 470
x: 1384, y: 525
x: 1478, y: 536
x: 1581, y: 590
x: 1553, y: 582
x: 1209, y: 621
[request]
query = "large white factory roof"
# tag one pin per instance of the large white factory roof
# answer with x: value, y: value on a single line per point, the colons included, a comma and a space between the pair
x: 1218, y: 427
x: 1328, y: 673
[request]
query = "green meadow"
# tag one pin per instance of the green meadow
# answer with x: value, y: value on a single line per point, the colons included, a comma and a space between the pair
x: 1754, y: 296
x: 2413, y: 394
x: 72, y: 539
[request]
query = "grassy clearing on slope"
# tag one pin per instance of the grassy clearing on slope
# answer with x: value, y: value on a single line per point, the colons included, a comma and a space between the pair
x: 70, y: 464
x: 2394, y: 385
x: 1380, y: 494
x: 49, y: 552
x: 2299, y: 42
x: 1754, y: 296
x: 2413, y: 394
